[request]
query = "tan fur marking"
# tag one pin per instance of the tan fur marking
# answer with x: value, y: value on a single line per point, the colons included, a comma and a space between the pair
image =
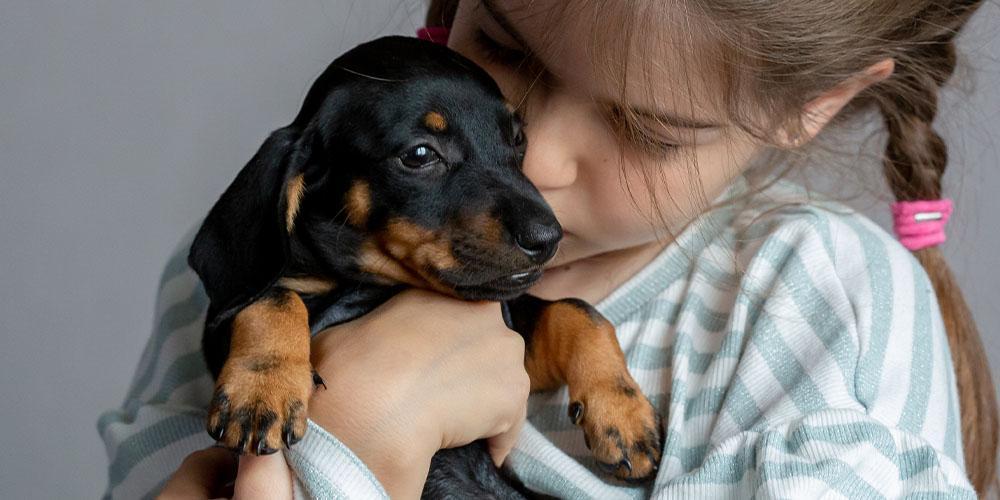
x: 294, y: 191
x: 435, y: 121
x: 435, y: 255
x: 406, y: 232
x: 567, y: 344
x: 268, y: 370
x: 418, y: 247
x: 309, y: 285
x: 358, y: 203
x: 489, y: 228
x: 371, y: 259
x: 264, y: 326
x: 571, y: 347
x: 408, y: 253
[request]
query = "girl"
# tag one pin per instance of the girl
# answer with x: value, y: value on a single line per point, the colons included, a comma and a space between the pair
x: 792, y: 348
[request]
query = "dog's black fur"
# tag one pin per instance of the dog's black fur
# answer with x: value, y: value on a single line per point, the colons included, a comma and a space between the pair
x: 398, y: 141
x: 363, y: 120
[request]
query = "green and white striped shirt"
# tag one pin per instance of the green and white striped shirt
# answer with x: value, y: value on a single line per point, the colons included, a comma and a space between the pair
x: 793, y: 347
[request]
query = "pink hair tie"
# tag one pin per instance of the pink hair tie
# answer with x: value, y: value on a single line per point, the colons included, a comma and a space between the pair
x: 436, y: 34
x: 920, y: 224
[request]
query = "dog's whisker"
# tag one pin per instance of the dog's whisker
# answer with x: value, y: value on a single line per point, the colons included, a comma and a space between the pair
x: 370, y: 77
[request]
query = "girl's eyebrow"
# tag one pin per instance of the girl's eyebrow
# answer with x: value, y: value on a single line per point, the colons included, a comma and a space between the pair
x: 661, y: 117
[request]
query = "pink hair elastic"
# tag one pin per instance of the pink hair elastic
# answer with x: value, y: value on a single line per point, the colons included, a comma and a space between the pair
x: 436, y: 34
x: 920, y: 224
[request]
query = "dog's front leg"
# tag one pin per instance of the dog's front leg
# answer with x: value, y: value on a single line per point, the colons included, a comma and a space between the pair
x: 569, y: 342
x: 264, y: 386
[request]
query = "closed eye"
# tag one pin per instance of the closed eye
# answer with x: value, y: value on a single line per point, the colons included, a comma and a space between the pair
x: 648, y: 142
x: 497, y: 53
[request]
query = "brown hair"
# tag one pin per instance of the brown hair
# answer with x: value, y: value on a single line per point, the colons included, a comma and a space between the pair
x: 786, y: 53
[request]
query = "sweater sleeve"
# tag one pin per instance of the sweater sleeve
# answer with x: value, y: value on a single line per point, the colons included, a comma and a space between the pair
x: 843, y: 385
x: 162, y: 419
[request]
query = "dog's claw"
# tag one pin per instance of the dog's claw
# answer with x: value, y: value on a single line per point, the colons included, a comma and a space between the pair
x: 317, y: 380
x: 218, y: 431
x: 220, y: 408
x: 613, y: 468
x: 288, y: 435
x: 241, y: 445
x: 263, y: 449
x: 625, y: 463
x: 576, y: 412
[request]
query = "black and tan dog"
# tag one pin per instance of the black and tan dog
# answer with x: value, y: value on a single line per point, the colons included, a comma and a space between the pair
x: 401, y: 169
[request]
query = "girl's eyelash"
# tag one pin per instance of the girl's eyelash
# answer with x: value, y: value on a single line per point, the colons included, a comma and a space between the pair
x: 639, y: 138
x: 657, y: 148
x: 498, y: 53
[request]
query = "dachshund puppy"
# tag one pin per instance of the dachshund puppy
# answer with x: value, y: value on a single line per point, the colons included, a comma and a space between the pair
x: 402, y: 168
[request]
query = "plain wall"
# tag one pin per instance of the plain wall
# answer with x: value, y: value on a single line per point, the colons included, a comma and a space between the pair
x: 122, y: 121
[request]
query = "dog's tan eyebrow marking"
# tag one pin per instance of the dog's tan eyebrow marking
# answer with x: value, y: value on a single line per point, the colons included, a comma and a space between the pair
x: 309, y: 285
x: 358, y: 203
x: 294, y: 191
x: 435, y: 121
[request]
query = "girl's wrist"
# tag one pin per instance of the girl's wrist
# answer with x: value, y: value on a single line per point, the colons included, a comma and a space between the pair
x: 355, y: 408
x: 400, y: 465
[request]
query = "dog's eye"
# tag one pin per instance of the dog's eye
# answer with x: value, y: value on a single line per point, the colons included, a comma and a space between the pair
x: 421, y: 156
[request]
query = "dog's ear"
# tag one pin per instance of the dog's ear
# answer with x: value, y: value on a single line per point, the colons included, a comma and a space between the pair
x: 243, y: 245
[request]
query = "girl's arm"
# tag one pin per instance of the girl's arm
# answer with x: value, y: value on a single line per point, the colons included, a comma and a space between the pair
x: 161, y: 420
x: 448, y: 372
x: 420, y: 373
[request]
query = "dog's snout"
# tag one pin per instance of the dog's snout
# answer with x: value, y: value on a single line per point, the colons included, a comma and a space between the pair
x: 539, y: 241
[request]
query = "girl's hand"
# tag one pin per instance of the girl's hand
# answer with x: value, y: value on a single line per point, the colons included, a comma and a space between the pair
x: 420, y: 373
x: 210, y: 473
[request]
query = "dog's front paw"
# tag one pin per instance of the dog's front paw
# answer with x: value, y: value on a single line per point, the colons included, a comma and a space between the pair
x: 260, y: 404
x: 620, y: 427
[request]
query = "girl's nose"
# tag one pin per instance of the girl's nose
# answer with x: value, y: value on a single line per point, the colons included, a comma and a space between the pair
x: 557, y: 140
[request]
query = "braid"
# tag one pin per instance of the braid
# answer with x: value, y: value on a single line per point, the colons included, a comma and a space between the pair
x: 916, y: 156
x: 915, y: 161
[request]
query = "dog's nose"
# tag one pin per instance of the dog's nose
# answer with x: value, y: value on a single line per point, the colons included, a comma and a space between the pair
x: 539, y: 241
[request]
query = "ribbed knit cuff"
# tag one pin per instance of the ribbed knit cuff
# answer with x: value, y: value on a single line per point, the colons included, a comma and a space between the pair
x: 329, y: 469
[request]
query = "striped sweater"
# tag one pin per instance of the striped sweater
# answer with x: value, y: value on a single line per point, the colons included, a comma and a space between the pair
x: 793, y: 347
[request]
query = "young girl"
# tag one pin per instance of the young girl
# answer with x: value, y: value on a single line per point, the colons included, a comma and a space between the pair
x: 792, y: 348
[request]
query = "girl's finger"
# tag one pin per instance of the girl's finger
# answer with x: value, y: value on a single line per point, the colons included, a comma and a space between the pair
x: 501, y: 444
x: 263, y: 477
x: 201, y: 475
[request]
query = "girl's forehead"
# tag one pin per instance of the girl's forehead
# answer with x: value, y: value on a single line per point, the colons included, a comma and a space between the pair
x: 649, y: 56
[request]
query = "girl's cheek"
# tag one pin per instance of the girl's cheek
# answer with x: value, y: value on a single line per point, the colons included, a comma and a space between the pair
x: 681, y: 189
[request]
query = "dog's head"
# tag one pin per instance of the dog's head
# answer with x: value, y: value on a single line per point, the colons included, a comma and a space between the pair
x: 403, y: 166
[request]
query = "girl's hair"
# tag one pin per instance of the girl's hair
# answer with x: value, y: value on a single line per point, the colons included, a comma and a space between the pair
x: 784, y: 53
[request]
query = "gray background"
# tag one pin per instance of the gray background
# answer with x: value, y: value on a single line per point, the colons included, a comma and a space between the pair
x: 122, y: 121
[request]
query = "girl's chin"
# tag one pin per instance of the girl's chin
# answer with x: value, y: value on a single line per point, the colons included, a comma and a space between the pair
x: 561, y: 276
x: 576, y: 268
